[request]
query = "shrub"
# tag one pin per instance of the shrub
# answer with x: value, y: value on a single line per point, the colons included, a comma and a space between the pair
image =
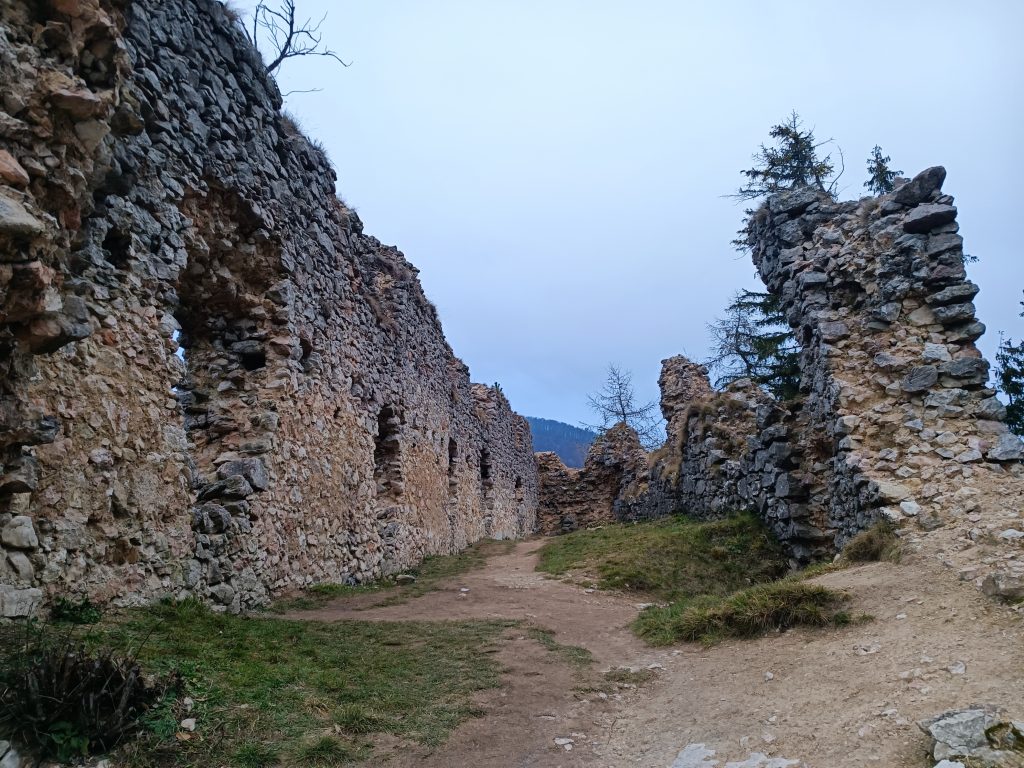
x: 64, y: 701
x: 83, y: 611
x: 879, y: 542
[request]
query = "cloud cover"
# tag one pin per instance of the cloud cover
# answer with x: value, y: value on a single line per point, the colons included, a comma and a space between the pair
x: 558, y: 170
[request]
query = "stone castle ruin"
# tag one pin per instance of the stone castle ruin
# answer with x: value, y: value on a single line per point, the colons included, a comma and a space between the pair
x: 894, y: 418
x: 213, y: 382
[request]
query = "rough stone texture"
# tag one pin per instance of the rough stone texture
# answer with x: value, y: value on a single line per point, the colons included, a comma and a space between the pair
x: 887, y: 417
x: 893, y: 419
x: 980, y: 735
x: 212, y: 381
x: 615, y: 470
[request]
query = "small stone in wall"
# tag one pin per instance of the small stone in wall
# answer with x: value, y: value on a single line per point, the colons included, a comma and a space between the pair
x: 15, y: 220
x: 1008, y: 447
x: 19, y: 533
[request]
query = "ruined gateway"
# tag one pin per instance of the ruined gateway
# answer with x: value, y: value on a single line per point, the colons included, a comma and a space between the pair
x: 215, y: 384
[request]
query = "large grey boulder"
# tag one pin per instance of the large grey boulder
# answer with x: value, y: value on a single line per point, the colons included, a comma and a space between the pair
x: 19, y: 533
x: 15, y: 220
x: 17, y: 602
x: 920, y: 188
x: 925, y: 218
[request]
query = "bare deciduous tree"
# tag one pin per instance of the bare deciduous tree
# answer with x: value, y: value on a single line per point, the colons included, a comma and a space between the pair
x: 616, y: 403
x: 287, y: 38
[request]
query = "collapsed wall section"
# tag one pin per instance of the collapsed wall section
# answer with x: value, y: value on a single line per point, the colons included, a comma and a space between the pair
x: 615, y: 472
x: 894, y: 397
x: 214, y: 382
x: 894, y: 418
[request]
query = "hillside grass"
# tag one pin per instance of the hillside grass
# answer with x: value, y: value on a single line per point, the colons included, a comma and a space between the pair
x: 719, y: 579
x: 272, y: 692
x: 671, y: 558
x: 746, y: 613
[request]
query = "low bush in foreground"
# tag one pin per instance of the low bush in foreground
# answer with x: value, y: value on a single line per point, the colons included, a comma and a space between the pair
x: 671, y: 558
x: 746, y: 613
x: 58, y: 699
x: 273, y: 692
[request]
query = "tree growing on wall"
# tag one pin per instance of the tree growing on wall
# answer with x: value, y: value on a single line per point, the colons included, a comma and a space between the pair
x: 754, y: 341
x: 285, y: 36
x: 1010, y: 379
x: 881, y: 178
x: 616, y: 402
x: 792, y: 161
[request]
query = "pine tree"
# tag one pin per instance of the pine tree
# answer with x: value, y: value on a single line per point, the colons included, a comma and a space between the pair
x: 754, y: 341
x: 881, y: 179
x: 1010, y: 379
x: 792, y: 162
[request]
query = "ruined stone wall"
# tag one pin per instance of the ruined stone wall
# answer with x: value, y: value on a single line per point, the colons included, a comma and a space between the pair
x: 895, y: 410
x: 213, y: 382
x: 894, y: 417
x: 615, y: 472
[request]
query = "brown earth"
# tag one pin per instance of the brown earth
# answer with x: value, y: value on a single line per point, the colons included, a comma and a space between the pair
x: 841, y: 698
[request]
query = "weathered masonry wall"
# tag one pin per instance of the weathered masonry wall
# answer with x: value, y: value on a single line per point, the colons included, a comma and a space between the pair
x: 894, y: 416
x: 896, y: 411
x: 615, y: 467
x: 213, y: 382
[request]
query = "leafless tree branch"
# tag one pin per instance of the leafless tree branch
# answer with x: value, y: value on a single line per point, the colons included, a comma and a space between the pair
x: 288, y: 38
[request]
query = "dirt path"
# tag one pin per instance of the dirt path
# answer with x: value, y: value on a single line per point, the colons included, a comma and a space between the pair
x: 843, y: 698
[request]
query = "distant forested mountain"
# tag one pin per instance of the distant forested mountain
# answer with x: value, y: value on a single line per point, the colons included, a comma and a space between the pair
x: 569, y: 442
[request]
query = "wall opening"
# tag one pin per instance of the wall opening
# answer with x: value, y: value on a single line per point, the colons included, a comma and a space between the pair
x: 253, y: 360
x: 118, y: 245
x: 486, y: 481
x: 387, y: 453
x: 453, y: 457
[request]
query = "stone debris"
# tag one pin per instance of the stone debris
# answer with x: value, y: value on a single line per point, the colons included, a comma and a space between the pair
x: 979, y: 736
x: 699, y: 756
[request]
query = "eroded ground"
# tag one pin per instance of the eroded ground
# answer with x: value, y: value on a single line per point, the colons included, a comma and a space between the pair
x: 833, y: 698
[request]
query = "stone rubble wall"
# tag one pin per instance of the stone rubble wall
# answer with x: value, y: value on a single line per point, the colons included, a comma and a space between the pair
x: 614, y: 472
x: 895, y: 410
x: 894, y: 418
x: 213, y: 382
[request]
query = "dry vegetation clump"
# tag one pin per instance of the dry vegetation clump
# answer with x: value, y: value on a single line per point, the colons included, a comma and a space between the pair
x: 878, y: 543
x: 746, y: 613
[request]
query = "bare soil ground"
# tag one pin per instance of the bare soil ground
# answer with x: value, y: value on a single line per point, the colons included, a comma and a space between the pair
x: 842, y: 698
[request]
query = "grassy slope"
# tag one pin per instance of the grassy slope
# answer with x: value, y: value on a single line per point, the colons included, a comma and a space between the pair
x: 671, y: 558
x: 269, y: 691
x: 721, y: 578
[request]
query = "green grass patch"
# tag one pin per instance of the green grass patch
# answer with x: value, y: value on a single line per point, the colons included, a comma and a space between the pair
x: 577, y: 657
x: 672, y: 558
x: 747, y: 613
x: 268, y: 691
x: 429, y: 575
x: 436, y: 569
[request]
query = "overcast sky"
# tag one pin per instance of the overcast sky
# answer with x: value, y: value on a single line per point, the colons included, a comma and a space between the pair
x: 557, y: 168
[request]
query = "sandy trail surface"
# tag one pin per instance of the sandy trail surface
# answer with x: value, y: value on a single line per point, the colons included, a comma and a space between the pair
x: 841, y: 698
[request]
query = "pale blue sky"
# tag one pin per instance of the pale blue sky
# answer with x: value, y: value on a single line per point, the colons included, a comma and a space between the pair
x: 557, y: 169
